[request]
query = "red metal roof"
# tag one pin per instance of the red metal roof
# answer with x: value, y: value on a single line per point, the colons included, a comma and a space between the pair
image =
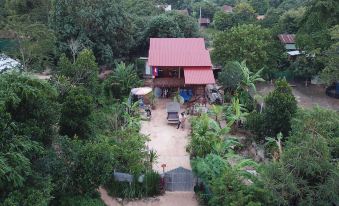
x: 199, y: 75
x: 178, y: 52
x: 287, y: 38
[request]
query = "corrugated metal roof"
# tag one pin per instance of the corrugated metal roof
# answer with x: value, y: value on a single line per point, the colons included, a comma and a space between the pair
x: 287, y: 38
x: 178, y: 52
x: 202, y: 75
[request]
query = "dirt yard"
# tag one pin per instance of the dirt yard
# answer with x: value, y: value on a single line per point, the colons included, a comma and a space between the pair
x: 306, y: 96
x: 170, y: 145
x: 169, y: 142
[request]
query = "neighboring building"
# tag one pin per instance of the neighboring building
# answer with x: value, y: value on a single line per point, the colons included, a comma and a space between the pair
x: 204, y: 22
x: 260, y: 17
x: 165, y: 7
x: 227, y: 9
x: 180, y: 63
x: 7, y: 63
x: 289, y: 42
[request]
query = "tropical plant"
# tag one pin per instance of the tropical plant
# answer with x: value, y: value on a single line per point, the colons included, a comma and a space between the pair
x: 249, y: 78
x: 236, y: 113
x: 122, y: 80
x: 205, y: 133
x: 217, y: 112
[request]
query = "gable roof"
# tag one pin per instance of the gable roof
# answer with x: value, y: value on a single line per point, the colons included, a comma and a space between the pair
x: 178, y: 52
x: 287, y: 38
x: 227, y: 8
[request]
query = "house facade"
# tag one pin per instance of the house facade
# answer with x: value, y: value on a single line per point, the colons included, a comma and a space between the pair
x: 176, y: 63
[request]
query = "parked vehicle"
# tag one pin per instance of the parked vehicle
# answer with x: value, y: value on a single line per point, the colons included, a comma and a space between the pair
x: 173, y: 109
x: 213, y: 94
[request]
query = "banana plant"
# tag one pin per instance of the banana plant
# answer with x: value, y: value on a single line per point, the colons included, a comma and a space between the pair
x: 249, y: 78
x: 236, y: 113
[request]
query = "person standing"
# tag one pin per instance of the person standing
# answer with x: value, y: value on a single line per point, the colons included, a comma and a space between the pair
x: 182, y: 121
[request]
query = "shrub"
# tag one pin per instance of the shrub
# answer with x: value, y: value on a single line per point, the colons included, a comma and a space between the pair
x: 280, y: 107
x: 151, y: 186
x: 255, y: 123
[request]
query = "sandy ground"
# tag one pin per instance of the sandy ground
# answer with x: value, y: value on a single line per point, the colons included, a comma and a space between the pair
x: 169, y: 142
x: 306, y: 96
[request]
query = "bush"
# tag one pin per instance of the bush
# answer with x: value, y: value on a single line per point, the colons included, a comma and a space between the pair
x: 150, y: 187
x: 255, y: 123
x: 280, y: 107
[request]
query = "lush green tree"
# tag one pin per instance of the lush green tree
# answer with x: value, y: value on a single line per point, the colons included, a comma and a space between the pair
x: 122, y: 80
x: 280, y: 108
x: 35, y: 11
x: 320, y: 121
x: 306, y: 67
x: 28, y: 118
x: 35, y: 44
x: 81, y: 167
x: 260, y: 6
x: 245, y: 42
x: 207, y: 9
x: 305, y: 174
x: 163, y: 26
x: 83, y: 72
x: 103, y: 26
x: 231, y: 77
x: 320, y: 16
x: 223, y: 21
x: 76, y: 110
x: 289, y: 21
x: 245, y: 13
x: 187, y: 24
x: 331, y: 60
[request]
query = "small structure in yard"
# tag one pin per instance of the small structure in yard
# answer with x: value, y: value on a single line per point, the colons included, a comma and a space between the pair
x: 289, y: 42
x: 204, y: 22
x: 180, y: 63
x: 165, y: 7
x: 227, y: 8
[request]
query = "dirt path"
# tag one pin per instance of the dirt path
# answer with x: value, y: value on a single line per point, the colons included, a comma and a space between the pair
x: 306, y: 96
x: 169, y: 142
x: 170, y: 145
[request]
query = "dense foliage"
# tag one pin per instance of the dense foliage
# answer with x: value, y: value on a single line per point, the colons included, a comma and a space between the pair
x: 245, y: 42
x: 280, y: 108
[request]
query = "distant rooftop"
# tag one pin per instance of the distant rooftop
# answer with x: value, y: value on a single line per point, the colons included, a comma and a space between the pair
x: 287, y: 38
